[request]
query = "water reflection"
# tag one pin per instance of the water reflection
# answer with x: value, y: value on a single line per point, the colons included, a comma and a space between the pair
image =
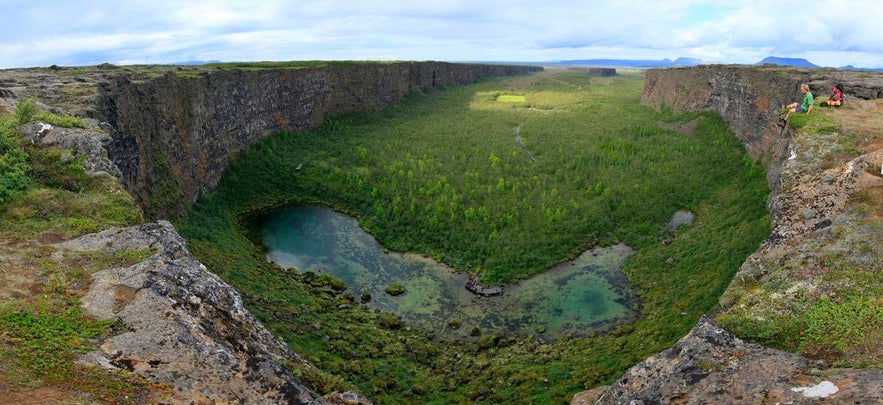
x: 584, y: 295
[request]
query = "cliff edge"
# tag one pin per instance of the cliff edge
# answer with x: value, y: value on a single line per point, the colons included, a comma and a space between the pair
x: 814, y: 286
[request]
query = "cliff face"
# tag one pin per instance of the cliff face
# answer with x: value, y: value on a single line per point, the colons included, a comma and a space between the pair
x: 825, y: 211
x: 174, y: 135
x: 746, y: 98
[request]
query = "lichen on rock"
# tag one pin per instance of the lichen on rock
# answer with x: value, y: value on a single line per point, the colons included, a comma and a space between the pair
x: 182, y: 325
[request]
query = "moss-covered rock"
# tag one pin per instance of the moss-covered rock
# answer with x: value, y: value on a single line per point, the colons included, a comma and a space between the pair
x: 395, y: 289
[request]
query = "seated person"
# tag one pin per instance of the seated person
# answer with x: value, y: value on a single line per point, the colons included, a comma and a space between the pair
x: 803, y: 107
x: 836, y: 97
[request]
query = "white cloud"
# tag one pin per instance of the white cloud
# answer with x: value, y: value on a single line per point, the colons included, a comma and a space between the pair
x: 837, y: 32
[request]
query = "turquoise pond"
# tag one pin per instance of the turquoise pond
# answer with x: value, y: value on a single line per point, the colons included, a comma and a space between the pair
x: 588, y: 294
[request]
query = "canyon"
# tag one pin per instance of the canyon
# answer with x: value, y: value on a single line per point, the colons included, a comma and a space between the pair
x: 168, y: 137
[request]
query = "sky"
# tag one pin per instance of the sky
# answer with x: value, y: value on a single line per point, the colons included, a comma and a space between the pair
x: 88, y: 32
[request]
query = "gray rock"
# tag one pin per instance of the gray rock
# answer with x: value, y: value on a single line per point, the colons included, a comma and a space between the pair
x: 808, y: 213
x: 184, y: 326
x: 88, y: 142
x: 710, y: 366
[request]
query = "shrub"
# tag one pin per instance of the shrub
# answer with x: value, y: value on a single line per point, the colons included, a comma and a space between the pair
x: 390, y: 321
x: 844, y: 329
x: 26, y: 110
x: 54, y: 168
x: 13, y: 160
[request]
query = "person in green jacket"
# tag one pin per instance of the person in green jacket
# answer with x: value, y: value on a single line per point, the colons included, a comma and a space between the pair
x: 805, y: 106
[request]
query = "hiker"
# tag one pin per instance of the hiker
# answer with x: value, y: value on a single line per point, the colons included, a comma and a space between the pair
x: 803, y: 107
x: 836, y: 97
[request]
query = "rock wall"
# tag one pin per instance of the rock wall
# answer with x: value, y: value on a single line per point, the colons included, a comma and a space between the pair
x: 174, y: 135
x: 595, y: 71
x: 750, y: 98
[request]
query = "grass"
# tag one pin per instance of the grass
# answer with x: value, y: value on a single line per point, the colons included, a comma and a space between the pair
x: 443, y: 174
x: 42, y: 328
x: 13, y: 159
x: 511, y: 98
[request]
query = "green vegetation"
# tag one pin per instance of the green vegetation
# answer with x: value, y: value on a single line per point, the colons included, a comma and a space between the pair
x: 502, y: 190
x: 511, y: 98
x: 42, y: 327
x: 395, y: 289
x: 13, y: 165
x: 833, y: 310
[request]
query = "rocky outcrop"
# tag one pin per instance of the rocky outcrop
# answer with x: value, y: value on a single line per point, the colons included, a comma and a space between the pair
x: 710, y: 366
x: 90, y: 143
x: 182, y: 325
x: 174, y: 135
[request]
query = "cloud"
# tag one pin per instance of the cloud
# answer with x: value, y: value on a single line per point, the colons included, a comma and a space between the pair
x: 165, y: 31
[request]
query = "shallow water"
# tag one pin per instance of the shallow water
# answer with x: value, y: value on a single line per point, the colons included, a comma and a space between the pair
x: 577, y: 297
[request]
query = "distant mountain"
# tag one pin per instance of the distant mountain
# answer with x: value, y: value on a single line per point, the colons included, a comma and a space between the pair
x: 796, y: 62
x: 635, y: 63
x: 197, y: 62
x: 850, y: 67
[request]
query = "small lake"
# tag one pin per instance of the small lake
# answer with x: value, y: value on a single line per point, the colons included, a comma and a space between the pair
x: 588, y: 294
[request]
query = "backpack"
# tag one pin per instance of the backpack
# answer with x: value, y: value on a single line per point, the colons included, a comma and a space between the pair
x: 837, y: 97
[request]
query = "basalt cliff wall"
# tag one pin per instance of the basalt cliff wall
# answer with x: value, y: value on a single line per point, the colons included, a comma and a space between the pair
x: 173, y: 135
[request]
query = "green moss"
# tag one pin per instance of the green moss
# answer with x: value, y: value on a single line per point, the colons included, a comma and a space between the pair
x: 166, y: 197
x: 395, y: 289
